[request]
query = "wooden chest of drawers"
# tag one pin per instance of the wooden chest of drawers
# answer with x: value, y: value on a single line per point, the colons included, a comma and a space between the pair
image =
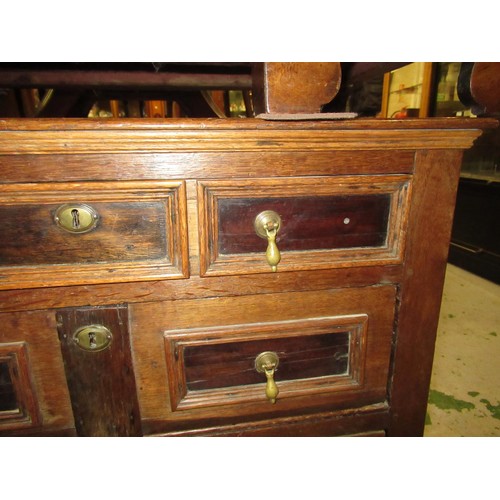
x: 222, y: 277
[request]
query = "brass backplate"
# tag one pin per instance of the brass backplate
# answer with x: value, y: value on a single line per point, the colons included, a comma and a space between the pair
x: 76, y: 218
x: 93, y: 338
x: 266, y: 360
x: 266, y: 220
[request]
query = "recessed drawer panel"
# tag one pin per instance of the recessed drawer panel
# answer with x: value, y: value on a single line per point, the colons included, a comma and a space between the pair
x: 333, y: 350
x: 309, y: 222
x: 18, y: 405
x: 315, y: 355
x: 34, y: 397
x: 319, y: 354
x: 55, y: 234
x: 321, y: 223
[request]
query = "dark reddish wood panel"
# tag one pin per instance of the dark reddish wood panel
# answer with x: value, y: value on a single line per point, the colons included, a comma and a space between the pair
x: 125, y: 232
x: 233, y: 363
x: 8, y: 400
x: 101, y: 384
x: 308, y: 222
x: 18, y: 403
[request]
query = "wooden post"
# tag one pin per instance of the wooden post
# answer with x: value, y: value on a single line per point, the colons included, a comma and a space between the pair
x: 294, y: 87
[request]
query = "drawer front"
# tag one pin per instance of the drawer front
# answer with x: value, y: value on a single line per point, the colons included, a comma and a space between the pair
x: 34, y: 397
x: 18, y: 405
x: 56, y: 234
x: 324, y: 223
x: 214, y: 366
x: 195, y: 359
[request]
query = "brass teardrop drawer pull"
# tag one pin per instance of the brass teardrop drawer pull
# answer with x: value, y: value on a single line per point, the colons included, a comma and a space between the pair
x: 267, y: 363
x: 267, y: 224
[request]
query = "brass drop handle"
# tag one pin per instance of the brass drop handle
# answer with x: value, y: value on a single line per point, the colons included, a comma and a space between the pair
x: 267, y: 363
x: 267, y: 224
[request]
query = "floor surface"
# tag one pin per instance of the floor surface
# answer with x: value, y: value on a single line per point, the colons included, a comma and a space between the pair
x: 464, y: 398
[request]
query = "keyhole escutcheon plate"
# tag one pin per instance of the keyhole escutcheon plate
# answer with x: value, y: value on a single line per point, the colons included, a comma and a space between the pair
x: 93, y: 338
x: 76, y: 218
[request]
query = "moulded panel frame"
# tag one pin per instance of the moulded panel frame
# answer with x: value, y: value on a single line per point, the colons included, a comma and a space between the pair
x: 173, y: 265
x: 213, y: 263
x: 15, y: 355
x: 176, y: 341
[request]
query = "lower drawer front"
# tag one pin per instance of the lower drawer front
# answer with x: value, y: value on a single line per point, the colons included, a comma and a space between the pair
x: 332, y: 347
x: 34, y: 396
x: 369, y: 422
x: 219, y: 366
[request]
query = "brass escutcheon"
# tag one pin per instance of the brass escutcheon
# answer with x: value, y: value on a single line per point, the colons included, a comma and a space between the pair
x: 93, y: 338
x: 76, y: 218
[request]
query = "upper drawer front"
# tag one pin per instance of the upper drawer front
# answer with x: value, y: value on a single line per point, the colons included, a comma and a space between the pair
x: 325, y: 222
x: 72, y: 233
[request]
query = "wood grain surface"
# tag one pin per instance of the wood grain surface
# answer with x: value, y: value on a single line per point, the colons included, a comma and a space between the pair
x: 173, y: 270
x: 102, y: 383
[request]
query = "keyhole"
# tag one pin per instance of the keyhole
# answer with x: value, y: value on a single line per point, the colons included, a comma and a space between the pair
x: 92, y: 340
x: 76, y: 218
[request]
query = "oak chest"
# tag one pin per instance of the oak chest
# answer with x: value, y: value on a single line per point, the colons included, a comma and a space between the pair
x: 223, y: 277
